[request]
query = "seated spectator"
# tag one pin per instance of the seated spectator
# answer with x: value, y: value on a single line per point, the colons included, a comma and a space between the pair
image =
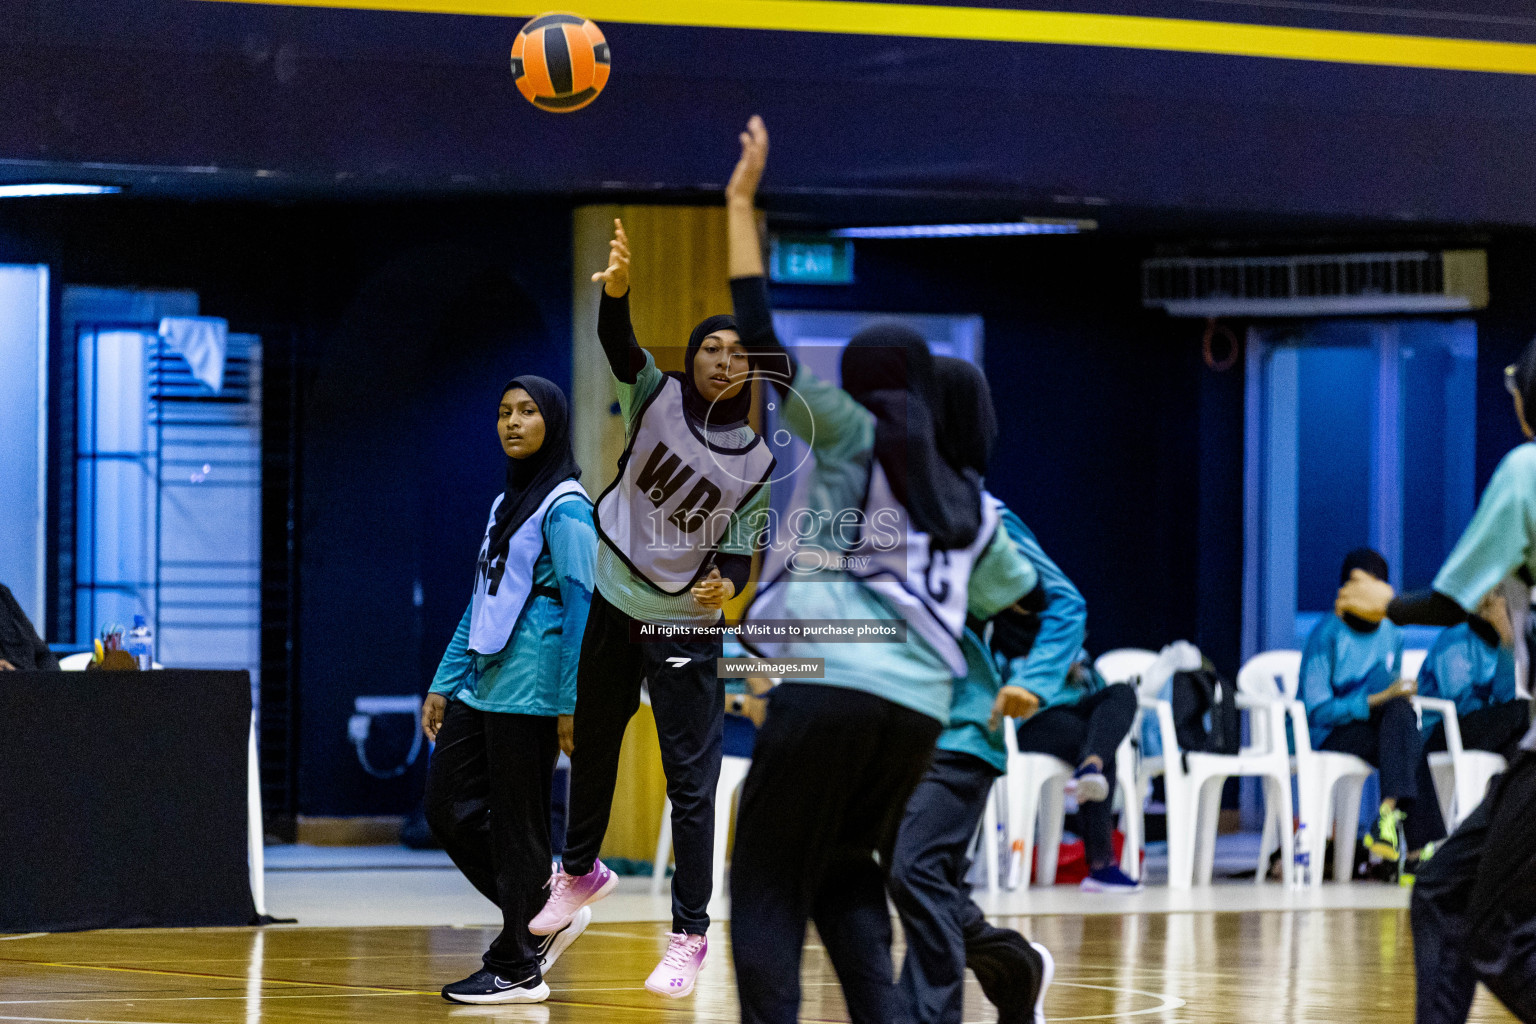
x: 1080, y: 720
x: 1473, y: 664
x: 1357, y: 703
x: 21, y: 649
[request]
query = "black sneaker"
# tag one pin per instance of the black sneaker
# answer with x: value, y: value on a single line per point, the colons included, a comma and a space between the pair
x: 1012, y: 972
x: 1047, y: 972
x: 486, y: 986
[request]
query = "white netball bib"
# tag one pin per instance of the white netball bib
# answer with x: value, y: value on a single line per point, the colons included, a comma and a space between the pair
x: 502, y: 588
x: 929, y: 588
x: 675, y: 493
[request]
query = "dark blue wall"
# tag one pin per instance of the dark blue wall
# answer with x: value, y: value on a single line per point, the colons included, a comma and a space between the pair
x: 266, y: 100
x: 401, y: 463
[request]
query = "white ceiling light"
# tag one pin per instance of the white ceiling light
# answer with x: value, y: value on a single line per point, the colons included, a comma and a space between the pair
x: 54, y: 189
x: 1027, y: 226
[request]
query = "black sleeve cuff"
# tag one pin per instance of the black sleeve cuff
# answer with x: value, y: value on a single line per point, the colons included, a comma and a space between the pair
x: 736, y: 568
x: 1425, y: 608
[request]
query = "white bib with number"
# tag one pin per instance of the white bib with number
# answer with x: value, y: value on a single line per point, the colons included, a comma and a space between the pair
x: 502, y: 587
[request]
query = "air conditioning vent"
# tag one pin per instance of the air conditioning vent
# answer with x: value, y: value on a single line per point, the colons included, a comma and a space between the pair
x: 1379, y: 282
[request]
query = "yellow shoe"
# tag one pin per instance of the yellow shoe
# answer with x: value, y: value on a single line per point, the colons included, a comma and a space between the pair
x: 1385, y: 839
x: 1413, y: 863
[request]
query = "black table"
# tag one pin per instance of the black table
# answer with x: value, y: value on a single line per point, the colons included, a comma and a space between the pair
x: 123, y: 800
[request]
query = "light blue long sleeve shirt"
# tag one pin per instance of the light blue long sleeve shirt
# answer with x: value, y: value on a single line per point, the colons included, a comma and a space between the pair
x: 1464, y: 668
x: 1499, y: 540
x: 1341, y: 667
x: 535, y: 674
x: 1063, y: 626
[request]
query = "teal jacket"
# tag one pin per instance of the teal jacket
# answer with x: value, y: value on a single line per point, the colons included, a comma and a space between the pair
x: 1464, y: 667
x: 535, y: 674
x: 970, y: 711
x: 1063, y: 627
x: 1341, y: 667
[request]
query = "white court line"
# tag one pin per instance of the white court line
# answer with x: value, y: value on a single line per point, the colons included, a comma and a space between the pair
x: 1168, y: 1002
x: 29, y: 935
x: 206, y: 999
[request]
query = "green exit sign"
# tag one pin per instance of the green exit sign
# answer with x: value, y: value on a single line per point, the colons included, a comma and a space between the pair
x: 810, y: 260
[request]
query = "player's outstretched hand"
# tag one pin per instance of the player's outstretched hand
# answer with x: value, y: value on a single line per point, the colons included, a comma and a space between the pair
x: 616, y: 278
x: 1365, y: 596
x: 749, y: 169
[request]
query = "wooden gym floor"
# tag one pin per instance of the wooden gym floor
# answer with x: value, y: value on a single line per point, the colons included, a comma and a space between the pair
x: 1351, y: 966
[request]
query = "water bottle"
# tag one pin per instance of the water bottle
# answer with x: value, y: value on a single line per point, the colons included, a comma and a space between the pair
x: 1302, y: 876
x: 141, y: 643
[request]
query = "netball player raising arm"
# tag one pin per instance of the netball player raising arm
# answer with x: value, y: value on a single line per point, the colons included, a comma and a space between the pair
x: 838, y: 757
x: 1474, y: 903
x: 677, y: 526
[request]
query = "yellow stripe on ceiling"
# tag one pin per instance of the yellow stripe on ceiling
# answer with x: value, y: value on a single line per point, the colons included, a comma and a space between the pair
x: 931, y: 21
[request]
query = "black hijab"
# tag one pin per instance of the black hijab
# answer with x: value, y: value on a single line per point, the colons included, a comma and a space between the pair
x: 724, y: 414
x: 967, y: 420
x: 529, y: 480
x: 888, y: 369
x: 1370, y: 560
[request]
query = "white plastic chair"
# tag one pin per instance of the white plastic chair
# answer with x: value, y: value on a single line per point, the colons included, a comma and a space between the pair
x: 1036, y: 790
x: 1035, y: 785
x: 1133, y: 771
x: 1328, y: 783
x: 1461, y: 776
x: 1193, y: 781
x: 733, y: 772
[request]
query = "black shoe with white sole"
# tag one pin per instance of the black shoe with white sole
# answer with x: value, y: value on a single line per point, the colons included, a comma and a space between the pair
x: 486, y: 986
x: 1047, y: 975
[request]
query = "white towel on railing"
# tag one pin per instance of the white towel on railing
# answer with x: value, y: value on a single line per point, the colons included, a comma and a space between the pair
x: 202, y: 341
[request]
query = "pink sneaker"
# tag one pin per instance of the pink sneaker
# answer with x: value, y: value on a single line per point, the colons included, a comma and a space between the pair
x: 679, y: 969
x: 568, y: 894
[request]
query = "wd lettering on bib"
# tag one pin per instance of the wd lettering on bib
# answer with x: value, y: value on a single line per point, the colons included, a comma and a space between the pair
x: 663, y: 475
x: 675, y: 493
